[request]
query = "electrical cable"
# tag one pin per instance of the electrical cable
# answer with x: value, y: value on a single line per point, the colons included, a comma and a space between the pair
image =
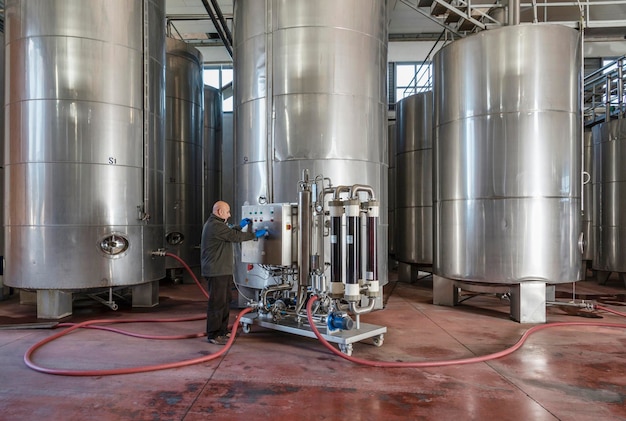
x: 460, y: 361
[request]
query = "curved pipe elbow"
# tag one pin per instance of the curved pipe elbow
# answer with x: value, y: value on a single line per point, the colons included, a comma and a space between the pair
x: 354, y: 309
x: 362, y: 187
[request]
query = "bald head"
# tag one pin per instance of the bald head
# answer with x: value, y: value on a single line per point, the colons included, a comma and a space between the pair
x: 221, y: 209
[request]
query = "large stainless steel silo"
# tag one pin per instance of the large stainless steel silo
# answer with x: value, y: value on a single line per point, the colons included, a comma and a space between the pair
x: 84, y: 165
x: 310, y: 93
x: 609, y: 186
x: 4, y: 290
x: 391, y: 189
x: 587, y: 192
x: 414, y: 203
x: 507, y: 162
x: 212, y: 148
x: 184, y: 154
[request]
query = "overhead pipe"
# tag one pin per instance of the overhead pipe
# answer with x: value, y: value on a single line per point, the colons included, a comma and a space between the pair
x: 220, y: 16
x: 222, y: 31
x: 514, y: 12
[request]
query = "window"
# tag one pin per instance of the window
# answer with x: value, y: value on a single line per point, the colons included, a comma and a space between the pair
x: 406, y: 79
x: 218, y: 77
x: 412, y: 78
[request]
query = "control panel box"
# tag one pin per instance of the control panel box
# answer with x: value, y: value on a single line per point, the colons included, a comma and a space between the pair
x: 277, y: 247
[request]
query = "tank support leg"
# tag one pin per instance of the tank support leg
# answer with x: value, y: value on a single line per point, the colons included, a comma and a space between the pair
x: 528, y: 302
x: 146, y: 295
x: 407, y: 272
x: 602, y: 276
x: 445, y: 292
x: 53, y: 304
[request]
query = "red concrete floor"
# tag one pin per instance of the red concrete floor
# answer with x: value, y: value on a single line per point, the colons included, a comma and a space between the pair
x: 569, y: 373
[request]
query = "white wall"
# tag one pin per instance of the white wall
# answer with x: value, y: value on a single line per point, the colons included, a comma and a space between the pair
x: 418, y: 51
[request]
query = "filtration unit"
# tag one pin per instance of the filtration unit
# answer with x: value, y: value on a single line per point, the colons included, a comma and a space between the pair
x: 507, y: 165
x: 183, y: 155
x: 609, y: 187
x: 84, y: 164
x: 292, y: 256
x: 310, y: 93
x: 414, y: 190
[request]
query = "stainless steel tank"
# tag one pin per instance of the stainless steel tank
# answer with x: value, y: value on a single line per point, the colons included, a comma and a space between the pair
x: 507, y: 156
x: 414, y: 191
x: 391, y: 189
x: 212, y: 148
x: 4, y: 291
x: 310, y: 93
x: 587, y: 214
x: 184, y: 154
x: 84, y: 165
x: 609, y: 185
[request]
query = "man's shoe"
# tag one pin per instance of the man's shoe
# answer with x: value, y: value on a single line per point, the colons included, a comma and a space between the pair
x: 218, y: 340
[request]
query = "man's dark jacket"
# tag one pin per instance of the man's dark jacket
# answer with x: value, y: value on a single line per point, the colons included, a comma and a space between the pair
x: 217, y: 248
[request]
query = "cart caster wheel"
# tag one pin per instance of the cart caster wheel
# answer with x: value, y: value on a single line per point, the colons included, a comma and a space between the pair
x: 379, y: 340
x: 346, y: 349
x: 245, y: 327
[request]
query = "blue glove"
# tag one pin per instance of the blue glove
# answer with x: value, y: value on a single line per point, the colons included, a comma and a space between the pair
x: 245, y: 222
x: 261, y: 233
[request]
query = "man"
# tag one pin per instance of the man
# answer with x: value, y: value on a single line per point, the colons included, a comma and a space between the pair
x: 217, y: 267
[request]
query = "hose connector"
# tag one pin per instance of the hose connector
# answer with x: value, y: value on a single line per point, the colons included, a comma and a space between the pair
x: 158, y: 253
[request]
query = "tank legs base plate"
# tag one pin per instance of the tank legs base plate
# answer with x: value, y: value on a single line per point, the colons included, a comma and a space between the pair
x: 528, y: 299
x: 343, y: 338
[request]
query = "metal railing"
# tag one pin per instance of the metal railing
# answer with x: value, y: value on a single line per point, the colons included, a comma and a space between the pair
x: 604, y: 92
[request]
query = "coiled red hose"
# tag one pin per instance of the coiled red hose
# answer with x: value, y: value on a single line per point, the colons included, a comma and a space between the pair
x: 96, y: 324
x: 128, y: 370
x: 460, y: 361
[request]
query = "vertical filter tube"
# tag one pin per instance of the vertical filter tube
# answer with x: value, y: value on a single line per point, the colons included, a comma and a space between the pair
x: 371, y: 273
x: 304, y: 230
x: 336, y: 258
x: 352, y: 250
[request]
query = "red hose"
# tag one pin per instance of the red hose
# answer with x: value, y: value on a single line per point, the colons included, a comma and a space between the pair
x: 206, y: 294
x: 141, y: 336
x: 129, y: 370
x: 619, y: 313
x: 94, y: 324
x: 460, y: 361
